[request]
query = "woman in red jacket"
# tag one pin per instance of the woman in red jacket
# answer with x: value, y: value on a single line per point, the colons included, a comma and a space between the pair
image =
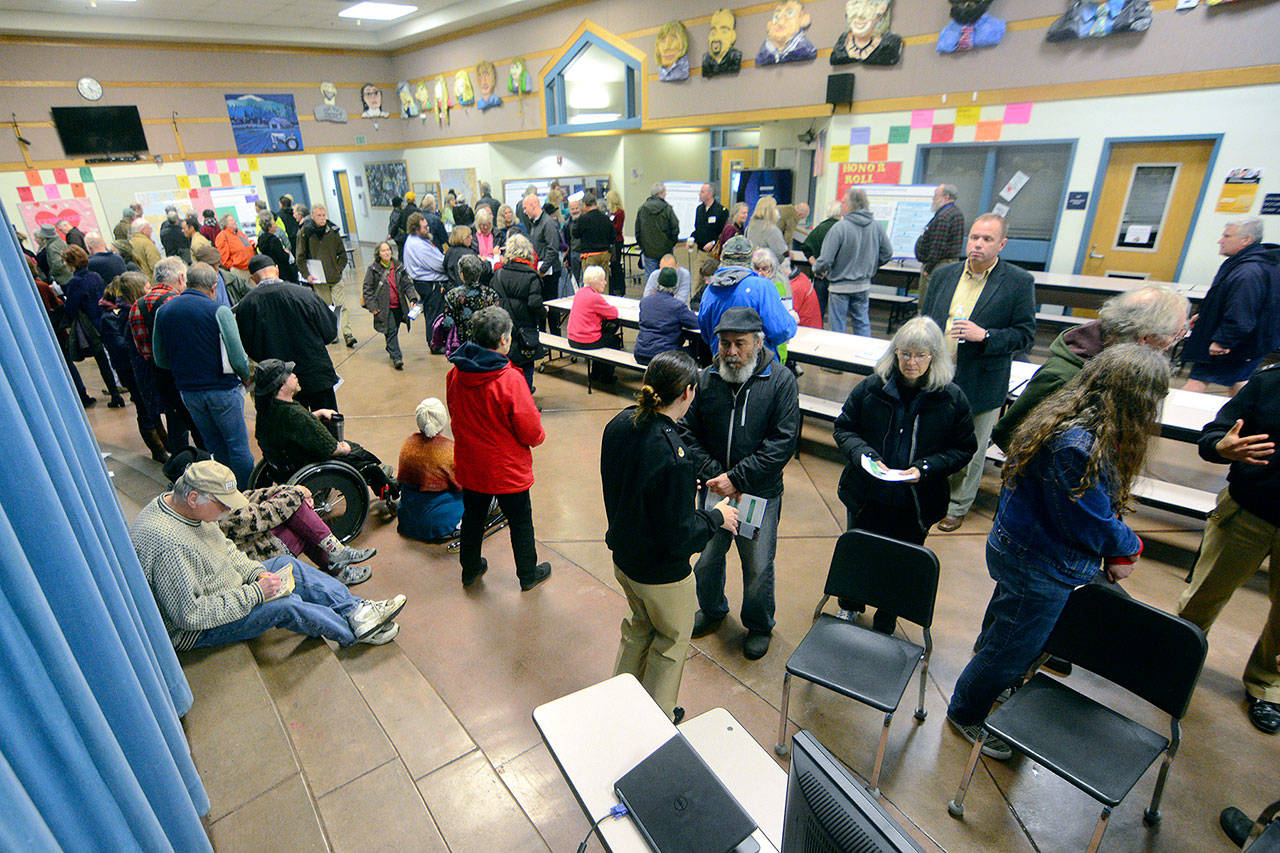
x: 495, y: 427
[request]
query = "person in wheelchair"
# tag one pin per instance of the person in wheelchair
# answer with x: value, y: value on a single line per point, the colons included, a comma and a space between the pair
x: 290, y: 436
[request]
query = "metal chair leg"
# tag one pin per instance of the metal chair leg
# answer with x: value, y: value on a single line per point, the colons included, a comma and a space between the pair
x: 921, y: 713
x: 884, y: 740
x: 955, y: 808
x: 1151, y: 816
x: 781, y: 746
x: 1100, y: 828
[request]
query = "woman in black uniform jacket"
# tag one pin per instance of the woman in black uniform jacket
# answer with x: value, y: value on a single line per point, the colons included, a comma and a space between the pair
x: 649, y: 490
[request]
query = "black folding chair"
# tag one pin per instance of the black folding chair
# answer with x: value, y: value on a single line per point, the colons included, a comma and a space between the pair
x: 1150, y: 653
x: 857, y: 662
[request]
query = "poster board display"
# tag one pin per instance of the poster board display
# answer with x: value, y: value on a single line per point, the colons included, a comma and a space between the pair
x: 513, y: 190
x: 683, y: 198
x: 77, y: 211
x: 904, y: 211
x: 461, y: 181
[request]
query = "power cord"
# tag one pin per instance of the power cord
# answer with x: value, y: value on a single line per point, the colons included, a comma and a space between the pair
x: 617, y: 811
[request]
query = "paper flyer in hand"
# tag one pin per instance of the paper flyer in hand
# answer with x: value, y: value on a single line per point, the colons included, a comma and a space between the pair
x: 880, y: 471
x: 286, y: 582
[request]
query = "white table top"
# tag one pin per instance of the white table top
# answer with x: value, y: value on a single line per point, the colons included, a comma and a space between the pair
x: 1184, y: 414
x: 599, y: 733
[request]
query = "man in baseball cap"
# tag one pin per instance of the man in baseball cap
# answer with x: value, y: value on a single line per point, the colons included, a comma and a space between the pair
x: 264, y: 264
x: 209, y: 593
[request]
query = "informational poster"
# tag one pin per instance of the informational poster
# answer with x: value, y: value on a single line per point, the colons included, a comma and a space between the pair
x: 77, y: 211
x: 1239, y: 191
x: 1270, y: 205
x: 683, y: 198
x: 462, y: 182
x: 904, y: 211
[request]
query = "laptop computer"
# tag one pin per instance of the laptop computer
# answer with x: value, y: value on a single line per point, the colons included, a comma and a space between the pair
x: 680, y: 806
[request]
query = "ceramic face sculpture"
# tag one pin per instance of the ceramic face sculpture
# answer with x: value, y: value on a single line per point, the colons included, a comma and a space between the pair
x: 721, y: 56
x: 866, y: 38
x: 371, y: 101
x: 462, y: 92
x: 970, y: 27
x: 408, y: 106
x: 487, y: 85
x: 786, y: 37
x: 671, y: 51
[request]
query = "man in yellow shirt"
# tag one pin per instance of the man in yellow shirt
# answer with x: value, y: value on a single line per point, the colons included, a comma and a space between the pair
x: 987, y: 308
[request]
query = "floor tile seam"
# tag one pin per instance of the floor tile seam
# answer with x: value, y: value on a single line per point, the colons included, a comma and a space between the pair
x: 499, y: 777
x: 311, y: 797
x: 398, y: 759
x: 1026, y: 830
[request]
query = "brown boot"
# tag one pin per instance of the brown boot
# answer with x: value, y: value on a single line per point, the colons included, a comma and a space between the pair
x: 152, y: 439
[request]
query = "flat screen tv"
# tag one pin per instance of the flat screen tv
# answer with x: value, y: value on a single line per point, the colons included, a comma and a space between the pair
x: 829, y: 812
x: 750, y: 184
x: 86, y: 131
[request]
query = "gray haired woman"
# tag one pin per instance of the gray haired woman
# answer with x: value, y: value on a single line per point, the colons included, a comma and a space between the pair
x: 908, y: 416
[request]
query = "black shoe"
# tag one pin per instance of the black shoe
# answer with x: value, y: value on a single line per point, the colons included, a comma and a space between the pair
x: 468, y: 578
x: 1264, y: 715
x: 88, y: 402
x: 1236, y: 824
x: 116, y: 402
x: 540, y: 573
x: 350, y: 340
x: 756, y: 645
x: 398, y: 364
x: 677, y: 714
x: 703, y: 626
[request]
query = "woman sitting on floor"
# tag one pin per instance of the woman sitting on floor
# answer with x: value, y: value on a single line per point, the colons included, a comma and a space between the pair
x: 430, y: 497
x: 290, y: 436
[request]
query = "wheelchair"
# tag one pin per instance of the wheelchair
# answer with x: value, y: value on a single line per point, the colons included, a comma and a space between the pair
x: 340, y: 493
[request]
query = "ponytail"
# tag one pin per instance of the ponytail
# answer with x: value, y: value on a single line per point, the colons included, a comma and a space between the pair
x: 666, y: 378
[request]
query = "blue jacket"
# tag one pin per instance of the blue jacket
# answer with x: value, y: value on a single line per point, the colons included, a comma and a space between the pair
x: 1235, y: 312
x: 662, y: 320
x: 729, y: 287
x: 1044, y: 528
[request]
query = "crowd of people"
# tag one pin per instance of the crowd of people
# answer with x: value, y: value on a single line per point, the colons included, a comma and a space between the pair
x: 696, y: 466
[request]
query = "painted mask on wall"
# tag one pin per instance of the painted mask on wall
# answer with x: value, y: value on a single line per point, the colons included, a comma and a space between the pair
x: 970, y: 27
x: 670, y: 50
x: 408, y: 106
x: 462, y: 92
x: 786, y: 39
x: 721, y: 56
x: 866, y: 38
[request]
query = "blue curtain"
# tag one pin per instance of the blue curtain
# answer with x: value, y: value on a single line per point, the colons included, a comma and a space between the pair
x: 92, y: 755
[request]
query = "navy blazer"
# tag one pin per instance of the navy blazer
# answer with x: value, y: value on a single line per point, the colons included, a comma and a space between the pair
x: 1007, y: 309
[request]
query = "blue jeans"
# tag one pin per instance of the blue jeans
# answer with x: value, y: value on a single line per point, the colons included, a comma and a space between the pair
x: 219, y: 416
x: 757, y: 572
x: 318, y: 607
x: 1024, y: 608
x: 844, y: 308
x: 649, y: 264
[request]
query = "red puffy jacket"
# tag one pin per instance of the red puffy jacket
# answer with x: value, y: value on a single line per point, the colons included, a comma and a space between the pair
x: 495, y: 422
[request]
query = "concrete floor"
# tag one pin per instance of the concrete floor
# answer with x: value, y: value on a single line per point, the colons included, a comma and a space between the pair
x: 457, y: 763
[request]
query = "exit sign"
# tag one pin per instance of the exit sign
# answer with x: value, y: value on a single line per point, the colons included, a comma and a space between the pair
x: 359, y: 140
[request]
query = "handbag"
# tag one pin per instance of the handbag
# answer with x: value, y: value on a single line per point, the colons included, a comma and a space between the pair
x: 527, y: 341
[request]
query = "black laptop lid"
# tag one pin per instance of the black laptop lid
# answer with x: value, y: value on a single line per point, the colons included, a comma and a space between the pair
x: 679, y: 805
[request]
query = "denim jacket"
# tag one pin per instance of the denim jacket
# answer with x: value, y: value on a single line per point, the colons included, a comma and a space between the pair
x: 1040, y: 524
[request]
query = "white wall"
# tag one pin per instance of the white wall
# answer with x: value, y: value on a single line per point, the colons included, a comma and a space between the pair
x: 1246, y: 117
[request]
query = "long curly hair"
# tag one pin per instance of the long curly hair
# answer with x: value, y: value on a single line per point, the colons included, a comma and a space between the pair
x: 1116, y: 398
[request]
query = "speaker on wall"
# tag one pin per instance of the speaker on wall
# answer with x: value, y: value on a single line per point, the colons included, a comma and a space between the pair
x: 840, y: 89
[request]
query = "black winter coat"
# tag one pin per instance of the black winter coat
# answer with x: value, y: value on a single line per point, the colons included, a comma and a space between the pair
x: 1235, y: 311
x: 520, y: 292
x: 749, y: 431
x: 1255, y: 487
x: 932, y: 431
x: 649, y: 491
x: 269, y: 244
x: 291, y: 323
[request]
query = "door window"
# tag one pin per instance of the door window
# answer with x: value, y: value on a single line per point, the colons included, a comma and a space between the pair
x: 1150, y: 189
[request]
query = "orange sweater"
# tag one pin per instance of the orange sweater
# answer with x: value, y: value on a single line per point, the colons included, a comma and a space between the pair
x: 426, y: 464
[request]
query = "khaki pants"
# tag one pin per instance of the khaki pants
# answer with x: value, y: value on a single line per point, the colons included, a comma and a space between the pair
x: 1235, y: 543
x: 966, y: 482
x: 336, y: 294
x: 655, y: 637
x: 696, y: 256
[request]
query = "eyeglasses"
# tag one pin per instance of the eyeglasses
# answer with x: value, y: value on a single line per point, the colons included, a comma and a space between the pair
x: 914, y: 356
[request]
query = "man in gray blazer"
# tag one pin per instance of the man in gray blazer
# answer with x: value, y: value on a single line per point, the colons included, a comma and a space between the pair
x: 987, y: 309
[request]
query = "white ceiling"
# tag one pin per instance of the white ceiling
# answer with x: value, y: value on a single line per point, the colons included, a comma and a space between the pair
x: 307, y: 23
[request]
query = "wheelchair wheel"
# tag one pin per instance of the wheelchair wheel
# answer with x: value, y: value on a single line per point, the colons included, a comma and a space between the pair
x: 263, y: 475
x: 340, y: 494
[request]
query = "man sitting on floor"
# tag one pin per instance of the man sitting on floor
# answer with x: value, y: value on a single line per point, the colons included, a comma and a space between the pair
x: 209, y: 593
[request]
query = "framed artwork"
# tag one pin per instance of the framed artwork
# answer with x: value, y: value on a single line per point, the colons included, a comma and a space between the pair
x: 424, y: 187
x: 263, y: 124
x: 386, y: 181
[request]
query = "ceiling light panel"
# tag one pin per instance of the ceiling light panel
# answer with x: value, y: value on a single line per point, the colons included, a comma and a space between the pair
x: 372, y: 11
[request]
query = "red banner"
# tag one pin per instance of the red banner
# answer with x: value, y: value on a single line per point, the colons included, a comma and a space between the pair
x: 866, y: 173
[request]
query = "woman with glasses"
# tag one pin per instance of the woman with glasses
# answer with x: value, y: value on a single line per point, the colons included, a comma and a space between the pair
x: 907, y: 417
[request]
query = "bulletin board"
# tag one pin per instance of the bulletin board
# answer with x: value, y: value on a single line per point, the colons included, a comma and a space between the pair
x: 513, y: 190
x: 904, y: 210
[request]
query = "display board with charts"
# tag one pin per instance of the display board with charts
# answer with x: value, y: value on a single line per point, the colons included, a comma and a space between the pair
x: 513, y: 190
x: 683, y: 198
x: 904, y: 211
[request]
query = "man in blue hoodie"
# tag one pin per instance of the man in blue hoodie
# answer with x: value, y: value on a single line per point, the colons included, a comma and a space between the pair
x: 735, y: 285
x: 852, y: 251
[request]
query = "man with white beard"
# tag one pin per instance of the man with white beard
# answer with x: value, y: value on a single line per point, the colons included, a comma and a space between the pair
x: 740, y: 430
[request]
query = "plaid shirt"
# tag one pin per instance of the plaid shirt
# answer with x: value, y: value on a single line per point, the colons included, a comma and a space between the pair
x: 142, y: 316
x: 943, y: 238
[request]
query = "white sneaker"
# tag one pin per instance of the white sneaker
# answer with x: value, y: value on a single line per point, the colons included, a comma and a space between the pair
x: 383, y: 635
x: 847, y: 615
x: 369, y: 616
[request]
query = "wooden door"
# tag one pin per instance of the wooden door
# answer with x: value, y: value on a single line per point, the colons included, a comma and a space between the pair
x: 734, y: 160
x: 346, y: 212
x: 1149, y: 196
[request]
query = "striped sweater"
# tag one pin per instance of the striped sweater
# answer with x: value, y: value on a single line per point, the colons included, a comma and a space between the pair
x: 198, y: 578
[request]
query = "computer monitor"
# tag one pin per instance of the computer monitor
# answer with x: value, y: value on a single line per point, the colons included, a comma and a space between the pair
x: 829, y: 812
